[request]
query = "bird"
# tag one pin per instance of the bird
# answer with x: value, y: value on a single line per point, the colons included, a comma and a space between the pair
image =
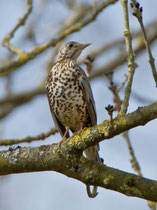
x: 70, y: 95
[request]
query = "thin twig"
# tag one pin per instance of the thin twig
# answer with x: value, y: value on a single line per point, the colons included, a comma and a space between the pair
x: 27, y: 56
x: 21, y: 22
x: 78, y: 15
x: 120, y: 87
x: 133, y: 160
x: 137, y: 12
x: 130, y: 57
x: 117, y: 101
x: 42, y: 136
x: 121, y: 58
x: 135, y: 164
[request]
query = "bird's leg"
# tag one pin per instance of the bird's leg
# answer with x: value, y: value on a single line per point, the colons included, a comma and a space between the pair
x: 65, y: 134
x: 80, y: 130
x: 64, y: 137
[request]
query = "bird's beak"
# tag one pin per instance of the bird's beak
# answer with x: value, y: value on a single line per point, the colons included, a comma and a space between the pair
x: 82, y: 46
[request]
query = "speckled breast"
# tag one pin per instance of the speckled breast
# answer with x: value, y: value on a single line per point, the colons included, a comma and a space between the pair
x: 66, y: 97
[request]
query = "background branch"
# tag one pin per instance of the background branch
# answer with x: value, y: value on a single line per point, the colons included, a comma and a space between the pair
x: 130, y: 58
x: 28, y: 139
x: 137, y: 12
x: 21, y: 22
x: 51, y: 158
x: 135, y: 164
x: 25, y: 57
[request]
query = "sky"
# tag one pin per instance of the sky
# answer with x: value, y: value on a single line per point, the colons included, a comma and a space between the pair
x: 51, y: 190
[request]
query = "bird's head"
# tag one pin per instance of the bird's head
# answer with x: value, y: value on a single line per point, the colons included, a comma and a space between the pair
x: 71, y: 50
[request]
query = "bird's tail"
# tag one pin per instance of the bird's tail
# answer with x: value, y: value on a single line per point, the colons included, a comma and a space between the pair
x: 92, y: 153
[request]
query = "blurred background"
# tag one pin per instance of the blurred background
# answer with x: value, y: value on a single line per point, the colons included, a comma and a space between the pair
x: 21, y: 118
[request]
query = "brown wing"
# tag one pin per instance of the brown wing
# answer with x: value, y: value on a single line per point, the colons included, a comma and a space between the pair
x: 91, y: 152
x: 60, y: 127
x: 88, y: 96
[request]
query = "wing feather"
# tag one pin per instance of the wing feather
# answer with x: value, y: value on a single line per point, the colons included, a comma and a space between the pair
x: 91, y: 152
x: 88, y: 96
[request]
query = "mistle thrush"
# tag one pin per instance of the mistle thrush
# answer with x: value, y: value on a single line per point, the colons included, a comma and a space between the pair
x: 70, y: 96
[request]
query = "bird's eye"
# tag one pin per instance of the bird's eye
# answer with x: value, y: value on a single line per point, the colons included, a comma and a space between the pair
x: 70, y: 45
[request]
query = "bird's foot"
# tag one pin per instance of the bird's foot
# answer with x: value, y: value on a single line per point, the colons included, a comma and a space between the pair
x: 81, y: 129
x: 59, y: 144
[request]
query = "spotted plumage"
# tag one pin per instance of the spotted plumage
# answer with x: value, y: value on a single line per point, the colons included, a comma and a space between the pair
x: 70, y: 96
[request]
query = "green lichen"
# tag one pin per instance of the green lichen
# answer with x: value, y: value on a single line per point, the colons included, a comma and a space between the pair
x: 79, y: 140
x: 131, y: 182
x: 23, y: 57
x: 130, y: 188
x: 85, y: 134
x: 75, y: 140
x: 120, y: 122
x: 103, y: 129
x: 108, y: 179
x: 126, y: 32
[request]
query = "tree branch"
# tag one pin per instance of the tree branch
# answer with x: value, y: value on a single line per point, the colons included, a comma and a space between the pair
x: 28, y: 139
x: 135, y: 164
x: 121, y: 58
x: 22, y: 97
x: 8, y: 104
x: 133, y: 160
x: 130, y: 58
x: 68, y: 159
x: 137, y: 12
x: 27, y: 56
x: 21, y: 22
x: 50, y: 158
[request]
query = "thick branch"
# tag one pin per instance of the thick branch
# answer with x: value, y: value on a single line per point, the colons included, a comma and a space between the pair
x: 50, y: 158
x: 69, y: 161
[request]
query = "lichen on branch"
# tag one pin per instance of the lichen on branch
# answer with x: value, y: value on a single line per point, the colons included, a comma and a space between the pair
x: 67, y: 158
